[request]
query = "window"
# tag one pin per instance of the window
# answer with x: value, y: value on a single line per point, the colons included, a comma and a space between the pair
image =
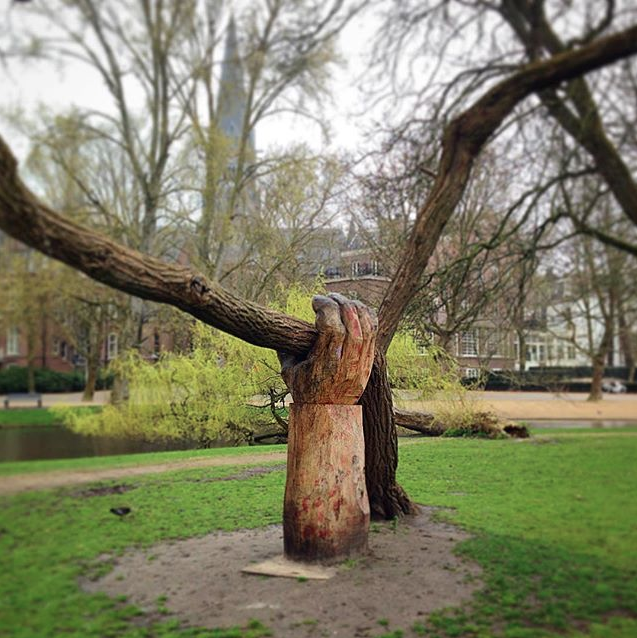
x: 471, y: 373
x: 63, y: 352
x: 56, y: 346
x: 570, y: 352
x: 560, y: 352
x: 468, y: 344
x: 542, y: 353
x: 156, y: 343
x: 13, y: 341
x: 356, y: 268
x: 375, y: 268
x: 531, y: 353
x: 111, y: 346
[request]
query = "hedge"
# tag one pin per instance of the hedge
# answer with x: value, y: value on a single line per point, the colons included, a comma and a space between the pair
x: 15, y: 379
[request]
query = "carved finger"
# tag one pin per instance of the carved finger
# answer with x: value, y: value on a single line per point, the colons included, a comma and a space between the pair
x: 328, y: 346
x: 353, y: 344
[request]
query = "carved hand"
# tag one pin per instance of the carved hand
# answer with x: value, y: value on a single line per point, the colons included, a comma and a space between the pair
x: 337, y: 368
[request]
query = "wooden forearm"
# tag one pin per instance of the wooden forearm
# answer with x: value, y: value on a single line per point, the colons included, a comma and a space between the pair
x: 22, y: 216
x: 326, y: 510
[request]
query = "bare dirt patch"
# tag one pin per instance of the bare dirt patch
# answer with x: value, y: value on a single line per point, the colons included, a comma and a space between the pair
x: 410, y: 571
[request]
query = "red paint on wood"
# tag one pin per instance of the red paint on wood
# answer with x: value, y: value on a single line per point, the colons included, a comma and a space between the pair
x: 326, y: 510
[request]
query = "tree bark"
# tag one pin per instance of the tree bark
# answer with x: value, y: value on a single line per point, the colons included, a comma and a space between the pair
x: 599, y: 363
x: 92, y: 366
x: 420, y: 422
x: 31, y: 338
x: 27, y: 220
x: 625, y: 342
x: 387, y: 499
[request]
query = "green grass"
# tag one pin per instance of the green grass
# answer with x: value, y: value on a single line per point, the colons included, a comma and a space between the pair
x: 553, y: 524
x: 49, y: 539
x: 554, y: 530
x: 129, y: 460
x: 16, y: 417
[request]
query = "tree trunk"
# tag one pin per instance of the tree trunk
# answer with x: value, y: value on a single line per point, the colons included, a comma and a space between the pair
x: 521, y: 350
x: 599, y: 363
x: 421, y: 422
x: 599, y: 366
x: 386, y: 498
x: 31, y: 376
x: 92, y: 367
x: 31, y: 359
x: 626, y: 343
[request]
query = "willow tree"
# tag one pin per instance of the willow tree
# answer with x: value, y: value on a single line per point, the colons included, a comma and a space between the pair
x: 24, y: 217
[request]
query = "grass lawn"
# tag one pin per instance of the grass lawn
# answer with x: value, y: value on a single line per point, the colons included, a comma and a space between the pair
x: 14, y: 417
x: 553, y: 523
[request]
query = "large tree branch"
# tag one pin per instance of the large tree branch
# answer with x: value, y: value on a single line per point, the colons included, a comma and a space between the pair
x: 463, y: 139
x: 25, y: 218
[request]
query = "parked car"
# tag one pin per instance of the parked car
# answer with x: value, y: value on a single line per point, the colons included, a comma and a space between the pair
x: 613, y: 386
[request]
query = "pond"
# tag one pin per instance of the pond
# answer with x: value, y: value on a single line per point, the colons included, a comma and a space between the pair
x: 27, y: 443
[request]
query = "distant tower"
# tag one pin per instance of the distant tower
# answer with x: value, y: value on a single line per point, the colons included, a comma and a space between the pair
x: 231, y: 105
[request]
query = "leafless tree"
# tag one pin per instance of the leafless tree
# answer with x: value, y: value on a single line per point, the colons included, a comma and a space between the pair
x: 30, y: 221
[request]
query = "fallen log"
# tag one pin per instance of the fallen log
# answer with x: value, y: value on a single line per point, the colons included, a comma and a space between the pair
x: 485, y: 424
x: 421, y: 422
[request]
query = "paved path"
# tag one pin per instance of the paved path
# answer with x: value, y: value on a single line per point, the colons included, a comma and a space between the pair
x: 546, y: 405
x: 62, y: 478
x: 63, y: 398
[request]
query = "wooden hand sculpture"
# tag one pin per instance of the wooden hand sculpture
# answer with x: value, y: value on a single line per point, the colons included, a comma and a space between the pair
x: 326, y: 509
x: 338, y: 367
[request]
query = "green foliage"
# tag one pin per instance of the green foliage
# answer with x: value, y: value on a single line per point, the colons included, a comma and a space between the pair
x: 429, y: 369
x: 14, y: 379
x: 433, y: 374
x: 218, y: 390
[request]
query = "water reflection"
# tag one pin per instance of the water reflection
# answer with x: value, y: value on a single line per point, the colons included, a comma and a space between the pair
x: 31, y: 443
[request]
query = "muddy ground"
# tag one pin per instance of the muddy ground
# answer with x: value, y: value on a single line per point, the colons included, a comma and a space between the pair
x: 410, y: 571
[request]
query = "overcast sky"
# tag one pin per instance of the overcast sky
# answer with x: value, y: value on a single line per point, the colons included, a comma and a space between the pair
x: 25, y: 86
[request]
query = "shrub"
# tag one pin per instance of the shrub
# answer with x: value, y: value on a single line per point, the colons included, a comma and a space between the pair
x: 216, y: 391
x: 429, y: 370
x: 15, y: 379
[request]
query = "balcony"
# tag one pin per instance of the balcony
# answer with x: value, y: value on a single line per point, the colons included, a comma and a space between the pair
x: 355, y: 270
